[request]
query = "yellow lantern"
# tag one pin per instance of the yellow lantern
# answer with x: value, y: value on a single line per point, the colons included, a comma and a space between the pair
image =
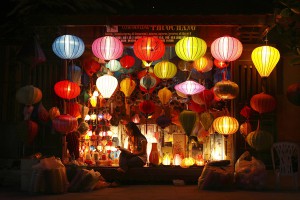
x: 93, y: 101
x: 165, y: 70
x: 187, y: 162
x: 166, y: 159
x: 203, y: 64
x: 226, y: 125
x: 265, y: 59
x: 164, y: 95
x: 190, y: 48
x: 127, y: 86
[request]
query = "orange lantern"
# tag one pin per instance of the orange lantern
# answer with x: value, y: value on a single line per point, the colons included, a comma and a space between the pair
x: 65, y: 124
x: 220, y: 64
x: 226, y: 89
x: 43, y: 114
x: 164, y: 95
x: 73, y: 109
x: 90, y: 66
x: 262, y: 103
x: 203, y: 64
x: 127, y: 61
x: 226, y: 125
x: 165, y: 70
x: 29, y: 95
x: 54, y: 112
x: 187, y: 162
x: 66, y: 89
x: 127, y: 86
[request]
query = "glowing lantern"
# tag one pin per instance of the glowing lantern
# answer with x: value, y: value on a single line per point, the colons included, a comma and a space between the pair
x: 262, y: 103
x: 28, y: 95
x: 164, y: 95
x: 93, y: 101
x: 73, y: 109
x: 187, y: 162
x: 113, y: 65
x: 65, y: 124
x: 220, y: 64
x: 147, y: 107
x: 136, y: 118
x: 177, y: 159
x: 226, y: 89
x: 107, y: 48
x: 226, y: 125
x: 127, y: 61
x: 189, y: 87
x: 127, y: 86
x: 106, y: 85
x: 203, y: 64
x: 265, y: 59
x: 54, y: 112
x: 90, y: 66
x: 188, y: 121
x: 66, y: 89
x: 203, y: 98
x: 149, y: 49
x: 226, y: 49
x: 68, y: 47
x: 148, y: 81
x: 190, y: 48
x: 165, y: 70
x: 166, y: 159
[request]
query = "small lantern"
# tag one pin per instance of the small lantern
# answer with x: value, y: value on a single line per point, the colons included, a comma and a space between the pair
x: 262, y: 103
x: 165, y: 70
x: 220, y: 64
x: 190, y: 48
x: 164, y: 95
x: 127, y: 86
x: 148, y: 81
x: 226, y: 89
x: 93, y: 101
x: 189, y: 87
x: 226, y: 125
x: 29, y: 95
x: 147, y: 107
x: 177, y: 159
x: 203, y: 64
x: 106, y: 85
x: 265, y: 59
x: 54, y: 112
x: 66, y: 89
x: 127, y: 61
x: 68, y: 47
x: 113, y: 65
x: 166, y: 160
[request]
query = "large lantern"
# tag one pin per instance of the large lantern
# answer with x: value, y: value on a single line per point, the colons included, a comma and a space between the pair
x: 190, y: 48
x: 189, y: 87
x: 66, y: 89
x: 28, y: 95
x: 164, y: 95
x: 127, y: 86
x: 226, y: 89
x: 127, y: 61
x: 149, y: 49
x: 226, y: 49
x: 65, y: 124
x: 106, y: 85
x: 68, y: 47
x: 165, y: 70
x: 226, y: 125
x: 113, y: 65
x: 107, y: 48
x: 203, y: 64
x: 265, y: 59
x: 262, y: 103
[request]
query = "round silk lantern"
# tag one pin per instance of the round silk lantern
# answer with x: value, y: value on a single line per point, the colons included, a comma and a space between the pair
x: 107, y: 48
x: 293, y: 93
x: 66, y: 89
x: 65, y: 124
x: 203, y: 64
x: 147, y: 107
x: 113, y: 65
x: 220, y: 64
x: 54, y: 112
x: 164, y: 95
x: 260, y: 140
x: 188, y: 120
x: 265, y: 59
x: 68, y: 47
x: 148, y: 82
x: 226, y: 49
x: 127, y: 61
x: 106, y: 85
x: 91, y: 66
x: 127, y: 86
x: 189, y: 87
x: 165, y: 70
x: 263, y: 103
x: 226, y: 89
x: 190, y: 48
x: 29, y: 95
x: 149, y: 49
x: 226, y: 125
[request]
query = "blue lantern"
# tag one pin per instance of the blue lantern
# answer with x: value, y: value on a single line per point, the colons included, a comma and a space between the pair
x: 68, y: 47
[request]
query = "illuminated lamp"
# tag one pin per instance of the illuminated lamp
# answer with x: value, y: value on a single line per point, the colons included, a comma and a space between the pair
x: 226, y: 49
x: 66, y: 89
x: 148, y: 82
x: 226, y: 125
x: 164, y: 95
x: 220, y: 64
x: 113, y: 65
x: 127, y: 86
x: 127, y: 61
x: 107, y: 48
x: 265, y: 59
x: 165, y: 70
x: 203, y: 64
x: 68, y: 47
x: 190, y: 48
x: 149, y: 49
x: 189, y: 87
x: 93, y: 101
x: 106, y: 85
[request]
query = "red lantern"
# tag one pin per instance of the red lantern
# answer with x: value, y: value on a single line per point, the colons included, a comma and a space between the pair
x: 67, y: 89
x: 54, y: 112
x: 73, y: 109
x: 149, y: 49
x: 220, y: 64
x: 127, y: 61
x: 147, y: 107
x: 195, y: 107
x: 32, y: 128
x: 65, y: 124
x: 293, y: 93
x: 204, y: 98
x: 90, y: 66
x: 263, y: 103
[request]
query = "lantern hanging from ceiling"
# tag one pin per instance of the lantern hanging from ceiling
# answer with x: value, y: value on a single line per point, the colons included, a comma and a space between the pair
x: 147, y: 107
x: 220, y: 64
x: 226, y: 125
x: 265, y: 59
x: 90, y: 66
x: 226, y: 89
x: 66, y: 89
x: 165, y: 70
x: 185, y: 65
x: 127, y: 61
x: 203, y: 64
x: 74, y: 74
x: 68, y: 47
x: 127, y: 86
x: 93, y: 101
x: 54, y: 112
x: 260, y: 140
x: 188, y: 121
x: 65, y: 124
x: 226, y: 49
x: 149, y: 49
x: 148, y: 81
x: 164, y: 95
x: 190, y: 48
x: 163, y: 121
x: 203, y: 98
x: 106, y: 85
x: 293, y: 93
x: 189, y: 87
x: 107, y: 48
x: 29, y: 95
x: 262, y: 103
x: 113, y: 65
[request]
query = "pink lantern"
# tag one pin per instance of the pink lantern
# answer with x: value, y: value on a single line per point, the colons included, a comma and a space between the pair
x: 107, y: 48
x: 226, y: 49
x: 189, y: 87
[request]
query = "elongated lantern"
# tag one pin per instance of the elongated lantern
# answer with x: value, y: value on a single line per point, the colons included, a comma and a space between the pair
x: 127, y: 86
x: 68, y: 47
x: 107, y: 48
x: 164, y: 95
x: 190, y: 48
x: 106, y: 85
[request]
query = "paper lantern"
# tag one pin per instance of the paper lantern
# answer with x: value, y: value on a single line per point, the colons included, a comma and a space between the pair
x: 190, y: 48
x: 91, y: 66
x: 226, y: 89
x: 54, y: 112
x: 220, y: 64
x: 293, y: 94
x: 65, y: 124
x: 245, y: 128
x: 189, y: 87
x: 106, y: 85
x: 260, y: 140
x: 136, y: 118
x: 127, y: 86
x: 113, y: 65
x: 107, y: 48
x: 187, y: 162
x: 74, y: 74
x: 226, y: 125
x: 226, y: 49
x: 93, y: 101
x: 73, y: 109
x: 165, y: 70
x: 147, y: 107
x: 66, y: 89
x: 188, y: 120
x: 265, y: 59
x: 68, y: 47
x: 195, y: 107
x: 206, y: 120
x: 149, y: 49
x: 203, y: 98
x: 262, y: 103
x: 164, y: 95
x: 127, y: 61
x: 29, y: 95
x: 203, y: 64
